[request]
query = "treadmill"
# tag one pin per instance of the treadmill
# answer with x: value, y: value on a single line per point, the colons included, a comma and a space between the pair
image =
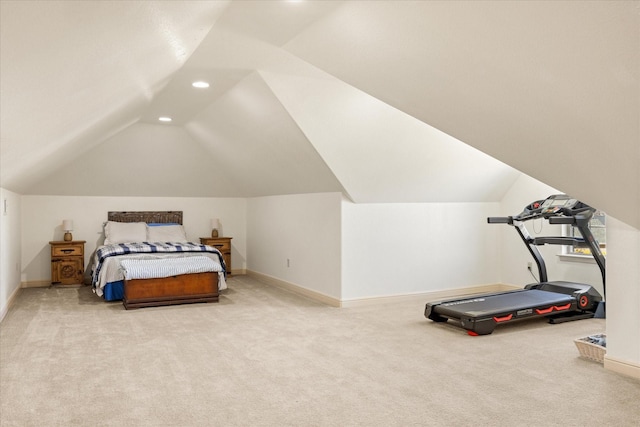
x: 559, y: 301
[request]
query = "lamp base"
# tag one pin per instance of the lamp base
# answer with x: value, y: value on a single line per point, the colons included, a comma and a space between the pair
x: 214, y: 232
x: 68, y: 237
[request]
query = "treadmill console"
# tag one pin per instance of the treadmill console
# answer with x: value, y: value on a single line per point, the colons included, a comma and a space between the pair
x: 555, y: 205
x: 558, y: 203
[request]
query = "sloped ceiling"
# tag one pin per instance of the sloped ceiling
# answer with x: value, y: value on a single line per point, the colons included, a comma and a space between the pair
x: 367, y: 98
x: 74, y: 73
x: 382, y: 154
x: 550, y: 88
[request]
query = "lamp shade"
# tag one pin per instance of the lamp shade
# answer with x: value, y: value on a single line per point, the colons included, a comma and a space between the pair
x: 67, y: 225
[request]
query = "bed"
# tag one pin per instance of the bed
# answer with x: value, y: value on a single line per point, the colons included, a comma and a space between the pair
x: 146, y: 260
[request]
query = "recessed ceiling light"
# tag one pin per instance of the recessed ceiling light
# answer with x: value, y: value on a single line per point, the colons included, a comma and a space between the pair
x: 201, y: 85
x: 164, y: 119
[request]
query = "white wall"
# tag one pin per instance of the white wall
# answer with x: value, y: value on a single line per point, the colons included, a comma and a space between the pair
x: 408, y: 248
x: 623, y: 293
x: 515, y: 255
x: 42, y: 220
x: 10, y: 247
x: 305, y: 229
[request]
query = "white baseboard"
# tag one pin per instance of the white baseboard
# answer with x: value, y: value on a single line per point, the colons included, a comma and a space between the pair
x: 429, y: 296
x: 357, y: 302
x: 623, y: 367
x: 10, y: 302
x: 269, y: 280
x: 36, y: 284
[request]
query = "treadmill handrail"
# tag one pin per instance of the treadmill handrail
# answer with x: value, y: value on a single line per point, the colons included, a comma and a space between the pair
x: 558, y: 240
x: 500, y: 220
x: 562, y: 220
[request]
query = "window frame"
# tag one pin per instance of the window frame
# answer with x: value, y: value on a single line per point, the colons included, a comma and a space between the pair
x: 568, y: 253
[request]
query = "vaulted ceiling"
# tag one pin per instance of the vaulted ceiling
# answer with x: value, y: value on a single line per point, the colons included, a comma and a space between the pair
x: 385, y: 101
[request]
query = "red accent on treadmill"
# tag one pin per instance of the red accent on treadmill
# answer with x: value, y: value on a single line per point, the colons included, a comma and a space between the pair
x: 562, y: 307
x: 584, y: 301
x: 472, y: 333
x: 544, y: 310
x: 503, y: 319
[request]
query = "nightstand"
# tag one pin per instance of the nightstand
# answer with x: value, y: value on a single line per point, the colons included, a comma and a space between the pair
x: 223, y: 244
x: 67, y: 262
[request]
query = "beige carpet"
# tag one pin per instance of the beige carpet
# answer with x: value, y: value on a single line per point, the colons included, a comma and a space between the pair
x: 266, y: 357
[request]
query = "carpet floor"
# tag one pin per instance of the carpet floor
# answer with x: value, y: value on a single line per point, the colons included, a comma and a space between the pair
x: 263, y: 356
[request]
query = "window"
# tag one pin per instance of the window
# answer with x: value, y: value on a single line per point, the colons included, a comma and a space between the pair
x: 597, y: 225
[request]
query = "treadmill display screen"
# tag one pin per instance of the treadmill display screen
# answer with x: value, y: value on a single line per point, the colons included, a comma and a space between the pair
x: 557, y: 202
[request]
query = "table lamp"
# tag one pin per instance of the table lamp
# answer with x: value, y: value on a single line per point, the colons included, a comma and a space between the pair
x: 67, y: 226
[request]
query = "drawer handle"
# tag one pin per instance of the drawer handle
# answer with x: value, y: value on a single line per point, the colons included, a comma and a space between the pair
x: 66, y: 251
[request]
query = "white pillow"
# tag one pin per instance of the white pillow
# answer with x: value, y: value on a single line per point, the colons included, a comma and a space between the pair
x: 166, y: 233
x: 124, y: 232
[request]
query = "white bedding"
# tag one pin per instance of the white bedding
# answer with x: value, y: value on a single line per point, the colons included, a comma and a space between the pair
x: 112, y: 271
x: 158, y: 268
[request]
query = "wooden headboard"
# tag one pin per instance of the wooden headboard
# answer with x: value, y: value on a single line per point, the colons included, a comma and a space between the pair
x: 163, y: 217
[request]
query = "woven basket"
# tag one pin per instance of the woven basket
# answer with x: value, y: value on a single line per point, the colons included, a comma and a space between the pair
x: 590, y: 350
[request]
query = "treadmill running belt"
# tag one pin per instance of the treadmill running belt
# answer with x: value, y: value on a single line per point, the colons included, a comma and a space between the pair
x: 495, y: 305
x: 480, y: 314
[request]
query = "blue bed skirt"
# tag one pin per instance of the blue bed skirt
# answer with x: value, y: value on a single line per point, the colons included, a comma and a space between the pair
x: 114, y: 291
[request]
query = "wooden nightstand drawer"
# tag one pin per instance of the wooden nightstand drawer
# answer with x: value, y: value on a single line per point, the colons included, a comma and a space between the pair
x: 222, y: 246
x: 67, y: 250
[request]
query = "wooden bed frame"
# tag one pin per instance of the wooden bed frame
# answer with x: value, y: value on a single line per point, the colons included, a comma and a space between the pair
x: 181, y: 289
